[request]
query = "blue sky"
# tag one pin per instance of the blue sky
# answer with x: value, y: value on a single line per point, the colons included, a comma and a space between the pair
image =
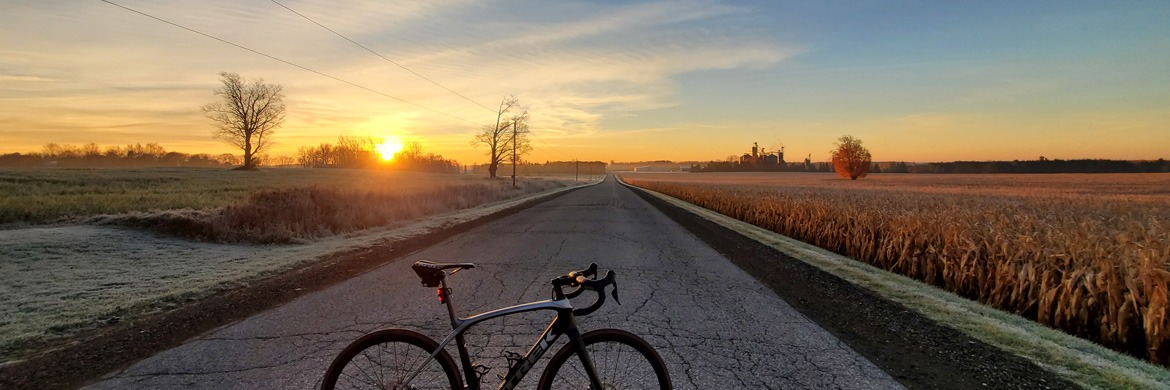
x: 681, y: 80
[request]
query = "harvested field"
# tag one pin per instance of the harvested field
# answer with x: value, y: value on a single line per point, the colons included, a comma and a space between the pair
x: 1087, y: 254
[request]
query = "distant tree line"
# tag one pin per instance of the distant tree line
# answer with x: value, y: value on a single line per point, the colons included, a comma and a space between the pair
x: 361, y: 152
x: 546, y: 168
x: 349, y: 152
x: 92, y: 155
x: 1044, y: 165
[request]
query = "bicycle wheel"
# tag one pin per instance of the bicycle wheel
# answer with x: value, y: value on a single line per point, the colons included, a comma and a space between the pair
x: 384, y: 359
x: 622, y: 361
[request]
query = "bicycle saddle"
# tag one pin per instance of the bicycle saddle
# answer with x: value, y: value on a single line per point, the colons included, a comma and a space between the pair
x: 432, y: 273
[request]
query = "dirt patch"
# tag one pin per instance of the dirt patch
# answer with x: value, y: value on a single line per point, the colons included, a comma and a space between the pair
x: 83, y: 358
x: 916, y: 351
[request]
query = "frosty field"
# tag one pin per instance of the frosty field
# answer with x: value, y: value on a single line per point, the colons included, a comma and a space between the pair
x: 60, y: 278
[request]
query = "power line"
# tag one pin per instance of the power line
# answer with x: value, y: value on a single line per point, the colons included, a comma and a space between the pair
x: 287, y: 62
x: 405, y: 68
x: 547, y: 144
x: 305, y: 68
x: 382, y: 56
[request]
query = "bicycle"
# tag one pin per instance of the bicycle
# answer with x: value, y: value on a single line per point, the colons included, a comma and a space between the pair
x: 405, y: 359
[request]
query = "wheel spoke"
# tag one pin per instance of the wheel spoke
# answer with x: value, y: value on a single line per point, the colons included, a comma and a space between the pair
x: 621, y: 360
x: 384, y: 360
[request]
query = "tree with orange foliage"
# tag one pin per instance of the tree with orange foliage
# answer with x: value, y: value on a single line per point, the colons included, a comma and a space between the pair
x: 850, y: 159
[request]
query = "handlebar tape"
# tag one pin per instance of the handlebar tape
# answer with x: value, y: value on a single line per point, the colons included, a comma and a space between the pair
x: 598, y: 286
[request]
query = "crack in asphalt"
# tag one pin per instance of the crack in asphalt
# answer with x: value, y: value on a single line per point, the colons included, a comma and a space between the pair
x: 714, y: 325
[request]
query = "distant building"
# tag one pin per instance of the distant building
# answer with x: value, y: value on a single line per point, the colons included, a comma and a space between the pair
x: 761, y: 158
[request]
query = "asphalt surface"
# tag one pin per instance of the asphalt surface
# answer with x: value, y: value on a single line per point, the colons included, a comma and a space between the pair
x: 716, y: 326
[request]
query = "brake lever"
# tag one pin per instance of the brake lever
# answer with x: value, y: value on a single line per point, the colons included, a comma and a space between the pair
x: 614, y: 293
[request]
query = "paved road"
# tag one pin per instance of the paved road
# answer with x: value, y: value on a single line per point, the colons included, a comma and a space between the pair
x: 716, y: 327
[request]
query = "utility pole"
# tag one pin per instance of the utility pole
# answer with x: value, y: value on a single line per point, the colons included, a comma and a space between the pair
x: 514, y: 154
x: 577, y: 173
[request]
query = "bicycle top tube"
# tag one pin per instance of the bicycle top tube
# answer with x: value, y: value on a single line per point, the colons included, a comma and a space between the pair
x: 465, y: 323
x: 434, y: 275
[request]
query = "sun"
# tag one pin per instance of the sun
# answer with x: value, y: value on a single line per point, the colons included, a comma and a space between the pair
x: 389, y: 148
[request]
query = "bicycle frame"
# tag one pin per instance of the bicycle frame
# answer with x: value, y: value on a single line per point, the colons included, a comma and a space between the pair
x: 563, y: 324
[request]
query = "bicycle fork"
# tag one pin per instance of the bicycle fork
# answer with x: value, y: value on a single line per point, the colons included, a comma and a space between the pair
x: 586, y: 360
x: 563, y: 324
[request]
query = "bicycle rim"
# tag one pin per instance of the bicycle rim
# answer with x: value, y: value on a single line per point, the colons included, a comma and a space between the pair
x: 621, y: 359
x: 385, y: 360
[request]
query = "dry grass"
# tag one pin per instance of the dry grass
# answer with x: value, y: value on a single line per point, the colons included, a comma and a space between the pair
x: 36, y: 196
x: 1087, y: 254
x: 297, y: 214
x: 270, y: 206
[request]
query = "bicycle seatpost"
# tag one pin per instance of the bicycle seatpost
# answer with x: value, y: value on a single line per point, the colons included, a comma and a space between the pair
x: 445, y: 299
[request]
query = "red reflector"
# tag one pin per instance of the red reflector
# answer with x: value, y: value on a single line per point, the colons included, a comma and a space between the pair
x: 442, y: 298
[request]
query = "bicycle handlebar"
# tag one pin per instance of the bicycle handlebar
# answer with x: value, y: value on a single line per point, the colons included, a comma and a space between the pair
x: 586, y: 280
x: 579, y: 278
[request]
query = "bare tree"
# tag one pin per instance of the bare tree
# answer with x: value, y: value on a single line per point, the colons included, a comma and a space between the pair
x: 228, y: 159
x: 284, y: 160
x: 306, y: 156
x: 247, y: 115
x: 51, y: 150
x: 497, y: 138
x: 355, y: 152
x: 91, y: 150
x: 850, y: 159
x: 410, y: 151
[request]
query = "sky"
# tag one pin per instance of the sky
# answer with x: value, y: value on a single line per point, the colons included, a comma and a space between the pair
x: 679, y: 80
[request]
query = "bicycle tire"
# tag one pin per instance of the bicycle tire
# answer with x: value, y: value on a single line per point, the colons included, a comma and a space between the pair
x: 394, y: 353
x: 617, y: 356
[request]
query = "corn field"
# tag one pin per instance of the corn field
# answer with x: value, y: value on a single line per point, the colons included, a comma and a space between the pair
x: 1094, y: 263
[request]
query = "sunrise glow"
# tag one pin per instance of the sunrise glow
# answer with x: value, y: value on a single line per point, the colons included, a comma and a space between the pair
x: 389, y: 148
x: 691, y: 80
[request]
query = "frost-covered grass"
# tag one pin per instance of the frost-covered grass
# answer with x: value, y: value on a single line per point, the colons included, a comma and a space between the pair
x: 57, y: 280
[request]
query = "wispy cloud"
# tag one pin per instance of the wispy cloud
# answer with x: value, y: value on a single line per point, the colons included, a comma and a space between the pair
x: 592, y: 73
x: 572, y: 63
